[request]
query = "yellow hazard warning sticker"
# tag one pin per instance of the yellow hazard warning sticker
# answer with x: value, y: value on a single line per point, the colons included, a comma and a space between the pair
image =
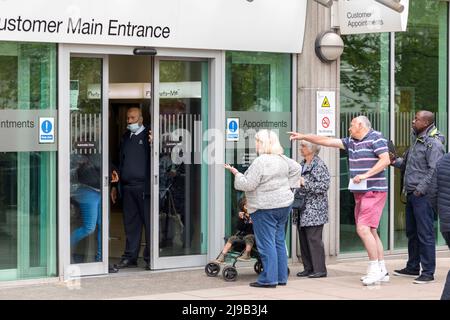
x: 325, y: 103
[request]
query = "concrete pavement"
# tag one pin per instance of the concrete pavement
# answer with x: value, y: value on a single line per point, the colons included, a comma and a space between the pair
x: 342, y: 283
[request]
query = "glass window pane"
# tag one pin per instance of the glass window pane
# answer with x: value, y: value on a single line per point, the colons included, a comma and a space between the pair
x: 420, y: 84
x: 8, y: 210
x: 28, y: 188
x: 258, y: 88
x: 364, y: 91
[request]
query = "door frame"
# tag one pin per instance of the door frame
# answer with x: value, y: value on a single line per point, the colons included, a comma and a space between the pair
x: 216, y: 174
x: 157, y: 262
x: 67, y: 270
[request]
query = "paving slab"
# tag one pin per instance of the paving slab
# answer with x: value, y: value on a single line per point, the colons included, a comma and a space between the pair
x: 343, y: 283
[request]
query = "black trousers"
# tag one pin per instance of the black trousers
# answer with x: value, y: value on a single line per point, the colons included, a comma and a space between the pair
x: 446, y: 291
x: 312, y: 249
x: 136, y: 214
x: 446, y: 236
x: 420, y: 234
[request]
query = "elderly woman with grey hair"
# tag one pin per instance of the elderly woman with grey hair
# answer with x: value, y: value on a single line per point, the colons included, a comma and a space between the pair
x: 314, y: 185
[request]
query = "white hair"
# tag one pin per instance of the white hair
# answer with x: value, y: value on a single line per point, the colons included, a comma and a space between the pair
x: 269, y: 142
x: 315, y: 148
x: 364, y: 121
x: 139, y: 110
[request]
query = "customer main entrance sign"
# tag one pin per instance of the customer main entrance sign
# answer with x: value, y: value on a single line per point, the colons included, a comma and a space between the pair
x: 195, y: 24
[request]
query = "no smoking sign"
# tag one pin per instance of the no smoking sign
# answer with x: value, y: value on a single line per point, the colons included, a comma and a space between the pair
x: 325, y: 122
x: 326, y: 113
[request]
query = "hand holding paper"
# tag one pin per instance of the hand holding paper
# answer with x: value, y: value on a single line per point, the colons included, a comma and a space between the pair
x: 358, y: 182
x: 362, y: 185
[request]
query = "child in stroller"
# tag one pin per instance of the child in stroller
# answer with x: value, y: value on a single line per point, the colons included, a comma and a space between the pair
x: 244, y: 234
x: 242, y: 246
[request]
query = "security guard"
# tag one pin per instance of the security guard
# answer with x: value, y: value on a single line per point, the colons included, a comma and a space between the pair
x: 134, y: 179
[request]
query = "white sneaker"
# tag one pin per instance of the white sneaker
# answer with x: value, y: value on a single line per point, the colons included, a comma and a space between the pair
x: 373, y: 277
x: 385, y: 278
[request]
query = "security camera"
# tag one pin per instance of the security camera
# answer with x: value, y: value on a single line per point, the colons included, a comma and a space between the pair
x: 326, y: 3
x: 392, y: 4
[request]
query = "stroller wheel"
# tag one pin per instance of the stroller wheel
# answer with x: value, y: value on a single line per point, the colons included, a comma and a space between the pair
x: 212, y: 269
x: 258, y: 267
x: 229, y: 273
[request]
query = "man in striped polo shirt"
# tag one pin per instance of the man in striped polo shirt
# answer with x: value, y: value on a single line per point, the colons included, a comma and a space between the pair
x: 368, y: 156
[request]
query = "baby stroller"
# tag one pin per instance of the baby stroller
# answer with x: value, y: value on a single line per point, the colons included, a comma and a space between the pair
x: 230, y: 272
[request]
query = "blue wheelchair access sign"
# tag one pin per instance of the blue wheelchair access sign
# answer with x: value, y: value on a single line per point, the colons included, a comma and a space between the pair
x: 46, y: 130
x: 232, y: 129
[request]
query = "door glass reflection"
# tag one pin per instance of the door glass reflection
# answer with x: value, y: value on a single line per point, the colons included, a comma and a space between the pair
x: 180, y: 168
x: 85, y: 160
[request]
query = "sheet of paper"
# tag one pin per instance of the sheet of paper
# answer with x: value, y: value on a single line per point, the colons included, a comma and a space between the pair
x: 362, y: 185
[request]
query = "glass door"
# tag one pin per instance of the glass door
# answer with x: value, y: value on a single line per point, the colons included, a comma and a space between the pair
x: 179, y: 174
x: 85, y: 244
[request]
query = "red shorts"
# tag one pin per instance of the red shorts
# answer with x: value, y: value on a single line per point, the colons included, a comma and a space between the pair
x: 369, y: 207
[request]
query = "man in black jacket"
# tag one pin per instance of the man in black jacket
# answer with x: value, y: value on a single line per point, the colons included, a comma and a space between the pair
x: 426, y: 149
x: 440, y: 200
x: 134, y: 178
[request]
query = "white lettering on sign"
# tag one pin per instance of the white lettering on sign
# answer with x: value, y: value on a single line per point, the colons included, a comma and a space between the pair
x: 196, y: 24
x: 233, y: 129
x: 46, y: 130
x: 326, y: 113
x: 94, y: 91
x: 369, y: 16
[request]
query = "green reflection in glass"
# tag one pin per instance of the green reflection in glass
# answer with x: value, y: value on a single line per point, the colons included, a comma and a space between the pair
x: 420, y: 84
x: 181, y: 204
x: 255, y: 82
x: 86, y: 160
x: 364, y: 91
x: 28, y: 188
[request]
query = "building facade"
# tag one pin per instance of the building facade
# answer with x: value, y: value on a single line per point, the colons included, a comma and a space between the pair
x: 68, y: 75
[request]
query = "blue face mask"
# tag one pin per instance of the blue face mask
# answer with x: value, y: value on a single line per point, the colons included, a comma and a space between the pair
x: 133, y: 127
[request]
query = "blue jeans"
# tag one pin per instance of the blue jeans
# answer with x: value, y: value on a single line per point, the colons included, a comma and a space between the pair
x: 89, y: 201
x: 269, y: 228
x: 420, y: 234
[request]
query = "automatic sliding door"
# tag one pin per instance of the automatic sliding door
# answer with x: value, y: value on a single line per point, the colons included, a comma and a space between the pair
x: 88, y: 167
x: 181, y: 109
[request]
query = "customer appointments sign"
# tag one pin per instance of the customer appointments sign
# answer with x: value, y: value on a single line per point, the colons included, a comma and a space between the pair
x: 369, y: 16
x: 28, y: 130
x: 241, y: 127
x: 326, y: 113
